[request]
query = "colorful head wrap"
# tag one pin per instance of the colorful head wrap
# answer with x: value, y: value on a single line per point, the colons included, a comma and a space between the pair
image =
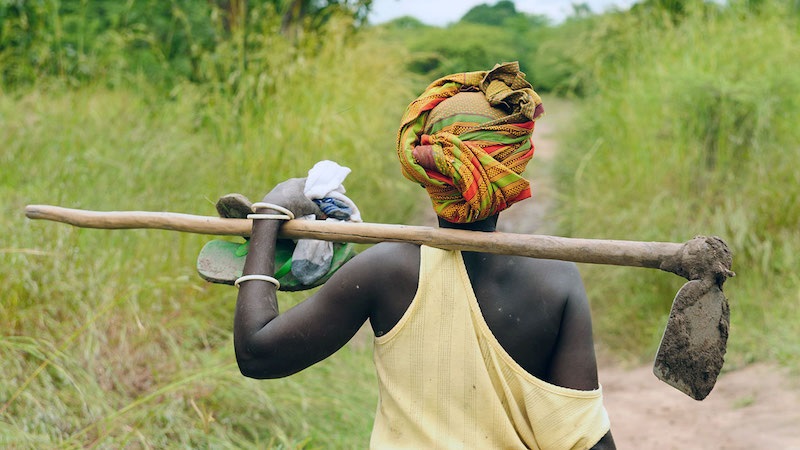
x: 469, y: 156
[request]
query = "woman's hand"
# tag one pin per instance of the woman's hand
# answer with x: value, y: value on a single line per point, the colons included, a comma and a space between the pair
x: 289, y: 194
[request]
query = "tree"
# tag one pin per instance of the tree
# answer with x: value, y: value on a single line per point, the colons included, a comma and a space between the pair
x: 294, y: 11
x: 491, y: 15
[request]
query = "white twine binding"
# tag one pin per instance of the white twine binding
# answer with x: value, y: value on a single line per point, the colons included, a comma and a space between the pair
x: 267, y: 278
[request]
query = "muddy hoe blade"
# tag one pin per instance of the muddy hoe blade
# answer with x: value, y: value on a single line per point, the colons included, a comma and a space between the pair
x: 692, y: 349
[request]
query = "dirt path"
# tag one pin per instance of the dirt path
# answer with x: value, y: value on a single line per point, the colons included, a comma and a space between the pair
x: 757, y: 407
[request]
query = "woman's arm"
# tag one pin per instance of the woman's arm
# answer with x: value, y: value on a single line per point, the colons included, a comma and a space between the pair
x: 269, y: 344
x: 574, y: 363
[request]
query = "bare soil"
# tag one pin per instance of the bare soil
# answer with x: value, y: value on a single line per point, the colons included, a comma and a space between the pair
x: 755, y: 407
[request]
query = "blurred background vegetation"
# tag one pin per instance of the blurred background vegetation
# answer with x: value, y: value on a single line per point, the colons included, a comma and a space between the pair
x: 684, y: 123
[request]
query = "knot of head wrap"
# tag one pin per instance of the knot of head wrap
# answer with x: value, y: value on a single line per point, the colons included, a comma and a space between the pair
x: 469, y: 156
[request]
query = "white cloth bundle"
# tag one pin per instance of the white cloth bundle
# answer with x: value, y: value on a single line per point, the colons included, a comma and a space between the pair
x: 312, y: 258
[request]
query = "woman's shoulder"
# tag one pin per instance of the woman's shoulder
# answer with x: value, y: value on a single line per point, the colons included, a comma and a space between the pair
x: 390, y: 254
x: 554, y: 275
x: 386, y: 260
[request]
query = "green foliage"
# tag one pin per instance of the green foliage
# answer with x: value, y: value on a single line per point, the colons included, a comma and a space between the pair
x: 491, y: 15
x: 462, y: 47
x: 110, y: 339
x: 485, y: 36
x: 323, y: 10
x: 689, y: 129
x: 163, y: 41
x: 676, y: 10
x: 559, y: 61
x: 82, y: 40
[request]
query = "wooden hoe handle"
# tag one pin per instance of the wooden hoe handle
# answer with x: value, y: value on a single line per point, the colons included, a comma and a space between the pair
x: 666, y: 256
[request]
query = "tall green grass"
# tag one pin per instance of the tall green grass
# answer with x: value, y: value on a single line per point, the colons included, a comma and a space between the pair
x: 690, y: 128
x: 110, y: 339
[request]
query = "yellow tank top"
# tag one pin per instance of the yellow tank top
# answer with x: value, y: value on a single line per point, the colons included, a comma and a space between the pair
x: 445, y: 382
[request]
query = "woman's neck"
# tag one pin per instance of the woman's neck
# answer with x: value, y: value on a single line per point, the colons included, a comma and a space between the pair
x: 489, y: 224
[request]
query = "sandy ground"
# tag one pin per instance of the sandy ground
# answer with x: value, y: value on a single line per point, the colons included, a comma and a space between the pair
x: 757, y: 407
